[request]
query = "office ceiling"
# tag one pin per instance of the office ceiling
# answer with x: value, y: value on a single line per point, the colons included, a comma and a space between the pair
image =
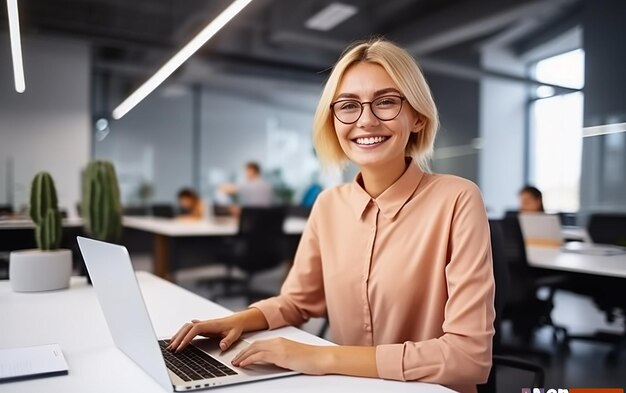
x: 132, y: 38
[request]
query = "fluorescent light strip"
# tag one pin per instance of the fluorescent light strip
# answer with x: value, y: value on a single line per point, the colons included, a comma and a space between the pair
x: 604, y: 129
x: 179, y: 58
x: 16, y: 46
x: 330, y: 16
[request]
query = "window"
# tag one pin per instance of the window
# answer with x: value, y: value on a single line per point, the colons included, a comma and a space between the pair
x: 555, y: 143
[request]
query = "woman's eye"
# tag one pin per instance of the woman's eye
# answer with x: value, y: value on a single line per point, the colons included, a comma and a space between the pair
x: 347, y: 106
x: 385, y: 102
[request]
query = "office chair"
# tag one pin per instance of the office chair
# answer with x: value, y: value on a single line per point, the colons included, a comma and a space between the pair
x: 524, y: 309
x: 163, y: 210
x: 607, y: 228
x: 6, y: 210
x: 258, y: 247
x: 502, y: 277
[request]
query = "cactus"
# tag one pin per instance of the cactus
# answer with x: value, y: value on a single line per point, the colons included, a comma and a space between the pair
x: 44, y: 212
x: 101, y: 207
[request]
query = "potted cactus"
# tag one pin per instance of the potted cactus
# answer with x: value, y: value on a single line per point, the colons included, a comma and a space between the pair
x: 48, y: 267
x: 101, y: 207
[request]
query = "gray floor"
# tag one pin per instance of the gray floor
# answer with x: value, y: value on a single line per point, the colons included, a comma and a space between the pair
x: 582, y: 366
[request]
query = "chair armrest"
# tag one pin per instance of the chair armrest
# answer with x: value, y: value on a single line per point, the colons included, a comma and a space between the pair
x: 508, y: 361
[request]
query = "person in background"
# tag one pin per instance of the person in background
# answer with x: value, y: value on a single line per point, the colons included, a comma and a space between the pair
x: 253, y: 192
x: 530, y: 200
x: 190, y: 205
x: 399, y: 259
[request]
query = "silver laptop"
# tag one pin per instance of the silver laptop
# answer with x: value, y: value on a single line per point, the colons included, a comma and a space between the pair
x: 202, y: 365
x: 540, y: 229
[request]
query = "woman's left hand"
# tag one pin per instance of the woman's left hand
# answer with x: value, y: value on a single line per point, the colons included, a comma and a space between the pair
x: 304, y: 358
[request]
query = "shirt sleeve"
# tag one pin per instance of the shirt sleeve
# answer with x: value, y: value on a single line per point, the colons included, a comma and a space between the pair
x: 462, y: 355
x: 302, y: 294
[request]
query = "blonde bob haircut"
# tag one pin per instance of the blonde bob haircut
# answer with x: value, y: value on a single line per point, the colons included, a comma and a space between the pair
x: 408, y: 77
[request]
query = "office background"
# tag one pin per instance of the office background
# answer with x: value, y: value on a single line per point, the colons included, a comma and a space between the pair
x: 509, y: 116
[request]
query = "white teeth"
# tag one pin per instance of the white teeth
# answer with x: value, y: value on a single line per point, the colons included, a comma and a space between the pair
x: 371, y: 140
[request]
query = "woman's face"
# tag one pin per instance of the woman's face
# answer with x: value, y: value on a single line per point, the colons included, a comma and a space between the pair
x: 528, y: 203
x: 371, y: 141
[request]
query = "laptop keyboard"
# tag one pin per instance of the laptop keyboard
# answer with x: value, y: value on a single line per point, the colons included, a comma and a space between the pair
x: 193, y: 364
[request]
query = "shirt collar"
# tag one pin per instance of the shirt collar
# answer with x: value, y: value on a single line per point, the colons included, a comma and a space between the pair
x: 393, y: 198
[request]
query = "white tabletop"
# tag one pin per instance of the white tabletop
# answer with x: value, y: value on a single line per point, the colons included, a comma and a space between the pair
x: 25, y: 223
x: 223, y: 226
x: 554, y: 258
x: 73, y: 319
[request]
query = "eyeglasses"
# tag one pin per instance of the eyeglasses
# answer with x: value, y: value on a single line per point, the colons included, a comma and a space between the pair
x: 384, y: 108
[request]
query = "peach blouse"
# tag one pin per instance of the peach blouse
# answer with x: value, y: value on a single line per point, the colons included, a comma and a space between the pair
x: 409, y: 272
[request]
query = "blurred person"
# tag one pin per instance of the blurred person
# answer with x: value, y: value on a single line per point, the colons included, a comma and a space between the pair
x: 399, y: 260
x: 253, y: 192
x: 190, y: 205
x: 530, y: 200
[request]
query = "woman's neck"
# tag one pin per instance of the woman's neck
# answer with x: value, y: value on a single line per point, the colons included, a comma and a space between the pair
x: 376, y: 179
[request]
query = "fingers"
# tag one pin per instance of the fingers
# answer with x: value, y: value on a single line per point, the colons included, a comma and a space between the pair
x: 230, y: 338
x: 255, y: 357
x: 176, y: 338
x: 191, y: 333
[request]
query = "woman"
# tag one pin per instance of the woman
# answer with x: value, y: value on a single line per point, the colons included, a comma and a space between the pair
x: 399, y: 260
x: 190, y: 205
x: 530, y: 200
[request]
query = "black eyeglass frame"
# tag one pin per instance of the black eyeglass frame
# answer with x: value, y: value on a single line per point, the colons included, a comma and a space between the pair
x: 332, y: 108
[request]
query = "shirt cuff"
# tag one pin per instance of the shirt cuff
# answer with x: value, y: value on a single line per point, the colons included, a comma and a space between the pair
x: 389, y: 361
x: 270, y: 308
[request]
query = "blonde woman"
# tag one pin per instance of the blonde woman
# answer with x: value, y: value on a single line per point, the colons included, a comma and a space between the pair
x: 399, y: 260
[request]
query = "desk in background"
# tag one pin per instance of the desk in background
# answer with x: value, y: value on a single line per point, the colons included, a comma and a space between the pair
x: 73, y: 319
x: 167, y: 231
x: 554, y: 258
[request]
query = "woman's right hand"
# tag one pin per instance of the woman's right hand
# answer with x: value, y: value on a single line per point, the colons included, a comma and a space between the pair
x: 229, y: 328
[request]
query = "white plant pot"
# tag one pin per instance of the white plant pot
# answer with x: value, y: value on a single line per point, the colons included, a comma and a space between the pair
x: 36, y: 270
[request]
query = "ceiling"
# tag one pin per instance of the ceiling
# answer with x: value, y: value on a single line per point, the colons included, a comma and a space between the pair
x: 131, y: 39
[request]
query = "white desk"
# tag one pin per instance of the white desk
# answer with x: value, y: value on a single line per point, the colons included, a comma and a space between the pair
x: 165, y: 229
x: 72, y: 318
x: 555, y: 259
x: 27, y: 223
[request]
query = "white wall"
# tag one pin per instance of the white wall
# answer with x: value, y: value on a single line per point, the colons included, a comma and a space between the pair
x: 48, y: 126
x: 502, y: 130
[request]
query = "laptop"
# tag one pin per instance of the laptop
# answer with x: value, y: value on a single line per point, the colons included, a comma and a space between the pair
x: 544, y: 230
x: 202, y: 365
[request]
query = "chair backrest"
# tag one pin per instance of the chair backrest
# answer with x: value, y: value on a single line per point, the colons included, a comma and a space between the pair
x: 261, y: 231
x: 514, y: 251
x: 163, y: 210
x: 501, y: 271
x: 607, y: 228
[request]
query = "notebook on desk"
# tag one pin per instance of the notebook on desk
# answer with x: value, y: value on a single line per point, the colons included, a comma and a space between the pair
x: 37, y: 361
x: 544, y: 230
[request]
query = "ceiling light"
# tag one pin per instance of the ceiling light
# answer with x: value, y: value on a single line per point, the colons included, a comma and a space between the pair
x: 16, y: 46
x: 179, y: 58
x: 330, y: 16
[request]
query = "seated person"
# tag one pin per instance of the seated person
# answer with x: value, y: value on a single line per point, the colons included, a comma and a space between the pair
x: 530, y: 200
x: 254, y: 192
x: 190, y: 205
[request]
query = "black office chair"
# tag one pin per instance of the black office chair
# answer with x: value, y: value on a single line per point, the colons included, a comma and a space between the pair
x: 258, y: 247
x: 163, y: 210
x: 607, y: 228
x: 524, y: 309
x: 502, y: 277
x: 6, y: 210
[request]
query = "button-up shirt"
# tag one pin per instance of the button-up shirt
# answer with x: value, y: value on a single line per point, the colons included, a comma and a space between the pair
x: 409, y: 272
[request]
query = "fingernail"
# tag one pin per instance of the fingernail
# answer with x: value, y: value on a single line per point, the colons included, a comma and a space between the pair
x: 223, y: 346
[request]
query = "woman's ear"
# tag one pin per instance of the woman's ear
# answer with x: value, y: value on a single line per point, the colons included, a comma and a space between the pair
x: 418, y: 124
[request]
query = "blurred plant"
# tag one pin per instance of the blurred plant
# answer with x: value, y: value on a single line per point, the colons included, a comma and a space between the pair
x: 44, y: 211
x: 145, y: 191
x: 101, y: 207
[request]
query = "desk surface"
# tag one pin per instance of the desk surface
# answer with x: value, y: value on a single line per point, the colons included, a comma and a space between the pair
x: 555, y: 259
x: 26, y: 223
x: 72, y: 318
x: 186, y: 228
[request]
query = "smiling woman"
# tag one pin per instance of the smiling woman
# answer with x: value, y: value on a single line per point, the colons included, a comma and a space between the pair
x: 398, y: 260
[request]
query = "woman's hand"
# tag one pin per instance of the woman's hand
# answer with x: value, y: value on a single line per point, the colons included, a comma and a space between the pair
x: 304, y: 358
x: 230, y: 328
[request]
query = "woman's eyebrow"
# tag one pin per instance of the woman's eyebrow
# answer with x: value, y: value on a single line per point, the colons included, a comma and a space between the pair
x: 376, y: 93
